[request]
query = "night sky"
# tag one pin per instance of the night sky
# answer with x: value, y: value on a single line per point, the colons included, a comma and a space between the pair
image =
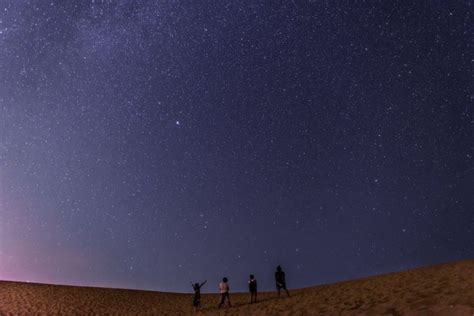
x: 146, y: 144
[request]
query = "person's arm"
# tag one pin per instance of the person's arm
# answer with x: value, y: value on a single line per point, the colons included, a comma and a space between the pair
x: 278, y: 279
x: 203, y: 283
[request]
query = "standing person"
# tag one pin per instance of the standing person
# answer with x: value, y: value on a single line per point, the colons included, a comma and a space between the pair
x: 224, y: 290
x: 253, y: 289
x: 197, y: 295
x: 280, y: 281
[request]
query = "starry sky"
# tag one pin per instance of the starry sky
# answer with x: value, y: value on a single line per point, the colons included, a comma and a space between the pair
x: 146, y: 144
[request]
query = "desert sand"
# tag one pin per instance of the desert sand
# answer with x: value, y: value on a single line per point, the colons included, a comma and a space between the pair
x: 446, y: 289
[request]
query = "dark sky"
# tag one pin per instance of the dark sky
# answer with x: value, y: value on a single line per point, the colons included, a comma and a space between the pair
x: 145, y: 144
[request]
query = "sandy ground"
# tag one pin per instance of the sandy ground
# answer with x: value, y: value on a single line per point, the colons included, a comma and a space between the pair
x: 439, y: 290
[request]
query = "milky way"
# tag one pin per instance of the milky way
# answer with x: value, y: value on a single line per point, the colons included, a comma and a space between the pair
x: 146, y: 145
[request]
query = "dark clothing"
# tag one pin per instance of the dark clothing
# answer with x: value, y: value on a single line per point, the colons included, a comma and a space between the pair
x: 224, y: 296
x: 281, y: 286
x: 280, y: 280
x: 253, y: 289
x: 197, y: 294
x: 253, y: 285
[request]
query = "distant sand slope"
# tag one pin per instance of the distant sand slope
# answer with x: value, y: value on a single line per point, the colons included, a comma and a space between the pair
x: 440, y: 290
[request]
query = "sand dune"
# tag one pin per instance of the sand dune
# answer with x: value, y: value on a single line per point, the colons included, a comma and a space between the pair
x: 439, y: 290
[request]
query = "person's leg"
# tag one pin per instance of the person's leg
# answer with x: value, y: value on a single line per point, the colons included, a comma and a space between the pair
x: 221, y: 301
x: 228, y: 300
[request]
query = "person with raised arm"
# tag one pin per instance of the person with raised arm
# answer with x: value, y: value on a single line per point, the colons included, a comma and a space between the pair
x: 197, y: 295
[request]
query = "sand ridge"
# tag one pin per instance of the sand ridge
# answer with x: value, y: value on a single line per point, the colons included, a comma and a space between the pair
x: 446, y: 289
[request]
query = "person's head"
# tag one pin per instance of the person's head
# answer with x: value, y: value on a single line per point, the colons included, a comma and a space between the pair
x: 251, y: 277
x: 278, y: 268
x: 224, y: 280
x: 196, y: 285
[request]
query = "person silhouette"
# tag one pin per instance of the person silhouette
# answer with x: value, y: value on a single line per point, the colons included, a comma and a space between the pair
x: 253, y: 289
x: 224, y: 290
x: 281, y: 281
x: 197, y: 295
